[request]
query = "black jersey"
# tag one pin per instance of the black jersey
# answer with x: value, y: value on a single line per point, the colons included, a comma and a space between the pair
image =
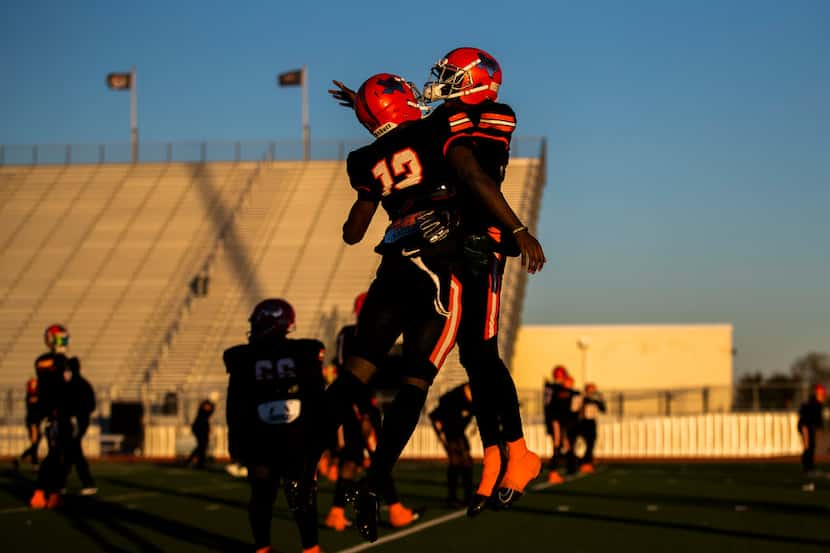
x: 52, y: 399
x: 406, y: 173
x: 487, y: 128
x: 274, y: 388
x: 809, y: 414
x: 454, y: 412
x: 558, y: 401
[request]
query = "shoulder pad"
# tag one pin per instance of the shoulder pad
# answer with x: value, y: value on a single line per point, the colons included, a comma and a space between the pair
x: 231, y: 355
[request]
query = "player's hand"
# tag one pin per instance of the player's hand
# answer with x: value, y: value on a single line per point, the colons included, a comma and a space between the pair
x: 533, y: 257
x: 343, y: 94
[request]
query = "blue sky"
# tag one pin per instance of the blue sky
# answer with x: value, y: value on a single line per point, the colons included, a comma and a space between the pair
x: 689, y: 174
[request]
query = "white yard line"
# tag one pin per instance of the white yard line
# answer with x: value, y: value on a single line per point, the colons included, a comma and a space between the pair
x: 409, y: 531
x: 446, y: 518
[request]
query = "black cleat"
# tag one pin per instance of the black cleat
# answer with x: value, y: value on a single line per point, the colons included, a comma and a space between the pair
x: 367, y: 513
x: 478, y: 504
x: 505, y: 497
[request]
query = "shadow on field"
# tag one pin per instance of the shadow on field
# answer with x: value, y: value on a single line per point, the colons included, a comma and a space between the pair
x: 116, y: 517
x: 628, y: 521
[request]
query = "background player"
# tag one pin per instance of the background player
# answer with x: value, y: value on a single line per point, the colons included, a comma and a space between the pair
x: 810, y: 426
x: 592, y: 405
x: 201, y: 431
x: 557, y: 408
x: 450, y: 420
x: 33, y: 420
x: 274, y: 389
x: 53, y: 403
x: 81, y: 399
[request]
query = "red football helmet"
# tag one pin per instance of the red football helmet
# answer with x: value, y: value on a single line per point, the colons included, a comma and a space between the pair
x: 385, y: 101
x: 56, y: 337
x: 470, y: 74
x: 590, y: 388
x: 358, y: 303
x: 820, y: 392
x: 560, y: 373
x: 271, y: 317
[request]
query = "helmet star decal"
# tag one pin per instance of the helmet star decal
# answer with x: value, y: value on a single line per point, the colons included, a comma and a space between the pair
x: 488, y: 63
x: 391, y: 85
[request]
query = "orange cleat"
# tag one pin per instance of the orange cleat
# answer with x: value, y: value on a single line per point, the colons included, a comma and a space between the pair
x: 522, y: 466
x: 490, y: 474
x: 38, y: 500
x: 336, y: 519
x: 555, y: 478
x: 266, y: 549
x: 55, y: 501
x: 315, y: 549
x: 400, y: 516
x: 587, y: 468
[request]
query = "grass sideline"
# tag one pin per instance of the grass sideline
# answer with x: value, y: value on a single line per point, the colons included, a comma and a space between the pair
x: 675, y: 507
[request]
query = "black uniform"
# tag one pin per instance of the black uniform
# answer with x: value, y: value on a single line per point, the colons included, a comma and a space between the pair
x: 592, y: 406
x: 33, y: 419
x: 809, y: 418
x: 415, y: 291
x: 54, y: 404
x: 201, y: 431
x: 487, y: 128
x: 274, y: 392
x: 450, y: 419
x: 558, y: 401
x: 81, y: 398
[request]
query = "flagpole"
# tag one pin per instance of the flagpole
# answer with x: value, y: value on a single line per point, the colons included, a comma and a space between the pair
x: 306, y: 129
x: 133, y: 116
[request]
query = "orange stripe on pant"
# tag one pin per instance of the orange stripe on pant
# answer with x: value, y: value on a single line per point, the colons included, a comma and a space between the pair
x: 447, y: 340
x: 491, y: 324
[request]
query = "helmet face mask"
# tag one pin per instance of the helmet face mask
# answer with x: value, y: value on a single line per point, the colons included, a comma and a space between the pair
x: 57, y: 338
x: 469, y: 74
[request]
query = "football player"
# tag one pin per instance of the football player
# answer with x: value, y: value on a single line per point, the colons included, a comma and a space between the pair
x: 359, y: 434
x: 592, y: 405
x: 274, y: 389
x: 557, y: 408
x: 450, y: 419
x: 810, y: 426
x: 478, y: 130
x: 33, y: 420
x: 81, y: 406
x: 54, y: 404
x: 415, y: 291
x: 473, y: 132
x: 201, y: 431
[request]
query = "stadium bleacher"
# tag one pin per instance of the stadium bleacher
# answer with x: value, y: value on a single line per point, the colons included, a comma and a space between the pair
x: 110, y: 251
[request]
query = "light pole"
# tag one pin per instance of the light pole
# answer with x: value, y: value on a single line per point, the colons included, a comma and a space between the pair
x: 583, y: 343
x: 133, y: 115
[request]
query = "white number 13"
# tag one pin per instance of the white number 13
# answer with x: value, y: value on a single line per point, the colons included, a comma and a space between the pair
x: 404, y: 162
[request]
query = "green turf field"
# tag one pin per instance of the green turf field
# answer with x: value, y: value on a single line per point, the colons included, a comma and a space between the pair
x: 701, y: 508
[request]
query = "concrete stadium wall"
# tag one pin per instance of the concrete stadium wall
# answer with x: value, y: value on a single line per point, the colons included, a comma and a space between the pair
x: 629, y: 357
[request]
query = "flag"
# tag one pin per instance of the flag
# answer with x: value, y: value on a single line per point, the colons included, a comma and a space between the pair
x: 120, y: 81
x: 291, y: 78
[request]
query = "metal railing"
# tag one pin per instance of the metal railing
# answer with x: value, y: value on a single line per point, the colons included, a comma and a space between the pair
x: 196, y: 151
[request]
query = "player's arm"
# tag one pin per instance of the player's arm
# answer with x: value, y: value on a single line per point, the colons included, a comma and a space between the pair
x: 462, y: 159
x: 357, y: 223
